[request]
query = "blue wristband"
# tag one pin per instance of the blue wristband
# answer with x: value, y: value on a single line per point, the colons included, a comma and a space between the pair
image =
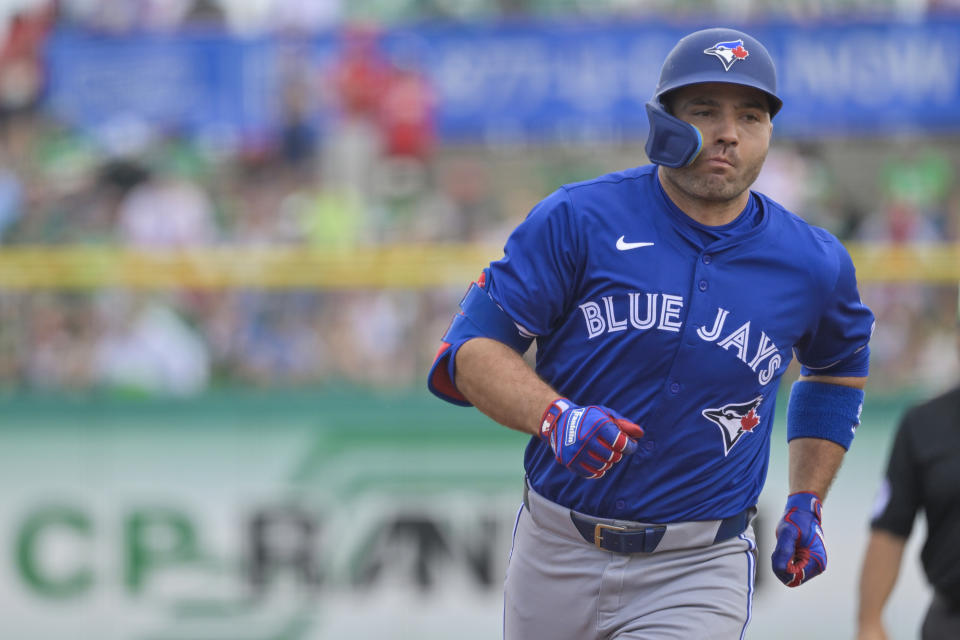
x: 825, y: 411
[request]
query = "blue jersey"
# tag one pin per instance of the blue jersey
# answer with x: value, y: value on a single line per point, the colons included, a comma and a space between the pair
x: 685, y: 330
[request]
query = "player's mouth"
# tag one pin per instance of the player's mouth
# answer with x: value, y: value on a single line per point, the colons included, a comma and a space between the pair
x: 719, y: 161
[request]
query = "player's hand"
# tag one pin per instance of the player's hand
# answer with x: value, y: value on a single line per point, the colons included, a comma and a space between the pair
x: 800, y: 554
x: 588, y: 440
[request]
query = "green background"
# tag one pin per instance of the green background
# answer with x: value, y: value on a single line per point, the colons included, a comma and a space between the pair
x: 376, y: 473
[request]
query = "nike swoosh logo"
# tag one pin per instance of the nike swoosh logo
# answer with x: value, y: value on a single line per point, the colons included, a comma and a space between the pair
x: 626, y: 246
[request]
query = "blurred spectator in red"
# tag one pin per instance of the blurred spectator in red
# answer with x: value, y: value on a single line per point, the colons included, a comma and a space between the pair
x: 361, y: 73
x: 406, y: 121
x: 21, y: 63
x: 357, y: 81
x: 407, y: 115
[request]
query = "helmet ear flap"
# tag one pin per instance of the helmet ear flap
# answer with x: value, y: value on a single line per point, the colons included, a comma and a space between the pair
x: 671, y: 141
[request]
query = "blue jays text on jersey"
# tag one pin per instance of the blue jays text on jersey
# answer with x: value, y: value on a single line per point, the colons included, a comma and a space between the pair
x: 600, y: 320
x: 682, y: 328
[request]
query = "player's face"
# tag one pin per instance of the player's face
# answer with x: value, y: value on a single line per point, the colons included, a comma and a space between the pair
x: 735, y: 124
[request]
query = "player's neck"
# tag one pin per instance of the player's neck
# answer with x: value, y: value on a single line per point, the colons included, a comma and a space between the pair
x: 712, y: 213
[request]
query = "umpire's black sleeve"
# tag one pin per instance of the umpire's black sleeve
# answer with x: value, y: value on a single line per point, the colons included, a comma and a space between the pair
x: 900, y: 495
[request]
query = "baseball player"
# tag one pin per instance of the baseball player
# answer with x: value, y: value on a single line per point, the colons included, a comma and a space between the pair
x: 666, y: 301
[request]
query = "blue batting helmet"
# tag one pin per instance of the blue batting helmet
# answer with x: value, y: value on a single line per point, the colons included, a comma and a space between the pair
x: 710, y: 55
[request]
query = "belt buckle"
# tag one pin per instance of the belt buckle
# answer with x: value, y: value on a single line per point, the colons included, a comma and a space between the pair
x: 598, y: 532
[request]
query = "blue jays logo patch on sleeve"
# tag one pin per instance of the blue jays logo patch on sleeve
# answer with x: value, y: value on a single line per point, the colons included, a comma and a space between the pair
x: 734, y: 420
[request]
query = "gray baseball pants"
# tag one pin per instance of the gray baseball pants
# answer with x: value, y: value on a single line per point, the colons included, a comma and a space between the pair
x: 560, y: 587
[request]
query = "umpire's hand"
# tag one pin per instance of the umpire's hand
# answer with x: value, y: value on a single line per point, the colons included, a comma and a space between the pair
x: 588, y: 440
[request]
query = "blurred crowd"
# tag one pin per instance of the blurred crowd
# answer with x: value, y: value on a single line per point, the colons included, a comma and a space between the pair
x: 378, y: 177
x: 245, y: 16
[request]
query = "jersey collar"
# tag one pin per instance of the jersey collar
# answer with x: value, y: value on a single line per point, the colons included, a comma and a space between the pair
x: 685, y: 225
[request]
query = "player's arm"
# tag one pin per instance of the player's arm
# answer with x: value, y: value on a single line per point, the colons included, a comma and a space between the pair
x: 815, y: 461
x: 499, y: 382
x: 524, y: 294
x: 881, y: 566
x: 480, y: 364
x: 822, y: 416
x: 823, y: 412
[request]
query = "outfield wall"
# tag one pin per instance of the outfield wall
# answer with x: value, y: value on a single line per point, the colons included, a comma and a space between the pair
x: 327, y: 515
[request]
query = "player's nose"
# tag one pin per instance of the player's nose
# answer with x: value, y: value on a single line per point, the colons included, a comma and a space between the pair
x: 725, y: 132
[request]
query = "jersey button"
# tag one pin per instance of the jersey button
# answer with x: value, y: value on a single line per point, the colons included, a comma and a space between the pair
x: 707, y: 259
x: 621, y: 504
x: 649, y: 446
x: 674, y: 387
x: 703, y: 285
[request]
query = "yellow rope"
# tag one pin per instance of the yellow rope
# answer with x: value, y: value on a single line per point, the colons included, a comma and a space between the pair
x: 384, y: 267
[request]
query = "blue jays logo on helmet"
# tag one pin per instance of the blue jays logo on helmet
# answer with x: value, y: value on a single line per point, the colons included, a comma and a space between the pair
x: 728, y: 52
x: 734, y: 420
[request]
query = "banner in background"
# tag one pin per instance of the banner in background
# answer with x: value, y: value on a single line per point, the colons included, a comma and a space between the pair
x: 524, y: 82
x: 325, y: 515
x: 254, y: 516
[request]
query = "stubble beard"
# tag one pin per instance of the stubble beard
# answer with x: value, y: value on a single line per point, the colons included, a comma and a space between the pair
x: 714, y: 187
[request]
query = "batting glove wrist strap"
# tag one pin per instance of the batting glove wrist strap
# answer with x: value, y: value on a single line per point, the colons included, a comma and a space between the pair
x: 549, y: 419
x: 800, y: 554
x: 587, y: 440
